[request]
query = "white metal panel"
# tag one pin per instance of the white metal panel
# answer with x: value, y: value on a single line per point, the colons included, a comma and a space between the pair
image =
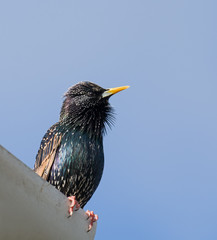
x: 30, y: 208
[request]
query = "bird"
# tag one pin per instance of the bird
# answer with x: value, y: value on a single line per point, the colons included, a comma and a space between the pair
x: 71, y: 156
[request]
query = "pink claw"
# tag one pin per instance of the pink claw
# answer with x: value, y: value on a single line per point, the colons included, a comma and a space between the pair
x: 93, y: 218
x: 74, y: 205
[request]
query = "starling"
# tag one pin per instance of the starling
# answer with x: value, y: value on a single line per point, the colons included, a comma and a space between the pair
x: 71, y: 155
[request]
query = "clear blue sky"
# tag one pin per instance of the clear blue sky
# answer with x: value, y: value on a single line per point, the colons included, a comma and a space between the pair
x: 160, y: 178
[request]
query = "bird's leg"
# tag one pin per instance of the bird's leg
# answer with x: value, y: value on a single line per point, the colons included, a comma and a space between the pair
x: 93, y: 218
x: 74, y: 205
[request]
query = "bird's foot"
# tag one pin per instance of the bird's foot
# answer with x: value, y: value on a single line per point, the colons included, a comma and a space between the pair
x: 74, y: 205
x: 93, y: 218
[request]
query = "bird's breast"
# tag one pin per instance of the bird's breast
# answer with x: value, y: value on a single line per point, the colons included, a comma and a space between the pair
x: 78, y: 165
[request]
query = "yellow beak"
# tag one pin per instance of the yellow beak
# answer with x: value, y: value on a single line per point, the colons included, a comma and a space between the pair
x: 112, y: 91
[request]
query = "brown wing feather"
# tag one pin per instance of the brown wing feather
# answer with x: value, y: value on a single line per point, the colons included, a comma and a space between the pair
x: 47, y: 152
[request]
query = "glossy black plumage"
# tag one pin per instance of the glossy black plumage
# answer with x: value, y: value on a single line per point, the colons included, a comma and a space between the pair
x: 71, y: 153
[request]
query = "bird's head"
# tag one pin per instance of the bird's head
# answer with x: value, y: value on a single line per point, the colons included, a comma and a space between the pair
x: 86, y: 106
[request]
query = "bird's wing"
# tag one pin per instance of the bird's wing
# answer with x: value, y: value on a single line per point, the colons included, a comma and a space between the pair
x: 46, y: 153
